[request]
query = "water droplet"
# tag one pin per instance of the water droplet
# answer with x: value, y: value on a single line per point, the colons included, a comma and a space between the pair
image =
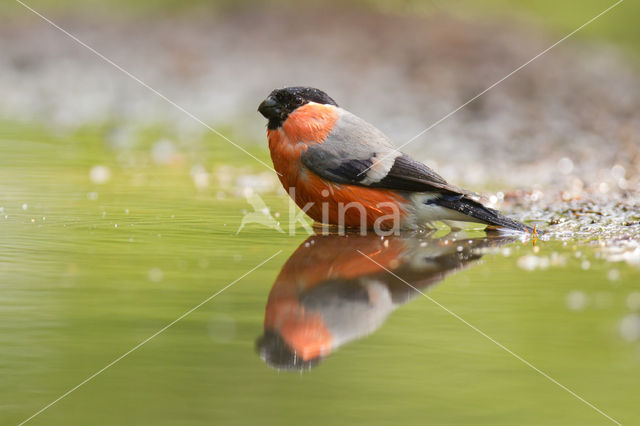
x: 577, y: 300
x: 613, y: 275
x: 155, y: 275
x: 531, y: 262
x: 200, y: 177
x: 630, y: 327
x: 633, y: 300
x: 99, y: 174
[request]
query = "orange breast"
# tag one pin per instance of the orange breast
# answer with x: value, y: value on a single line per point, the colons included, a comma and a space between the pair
x: 329, y: 259
x: 348, y: 205
x: 331, y: 203
x: 306, y: 126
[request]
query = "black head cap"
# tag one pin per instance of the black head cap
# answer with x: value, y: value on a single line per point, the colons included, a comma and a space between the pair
x: 275, y: 352
x: 281, y: 102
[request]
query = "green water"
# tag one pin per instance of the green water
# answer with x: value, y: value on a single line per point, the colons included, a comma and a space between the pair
x: 77, y: 292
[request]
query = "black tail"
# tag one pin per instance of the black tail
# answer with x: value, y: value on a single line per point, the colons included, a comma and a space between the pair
x: 476, y: 210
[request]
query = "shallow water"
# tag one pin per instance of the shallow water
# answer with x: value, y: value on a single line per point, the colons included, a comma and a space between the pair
x: 78, y: 292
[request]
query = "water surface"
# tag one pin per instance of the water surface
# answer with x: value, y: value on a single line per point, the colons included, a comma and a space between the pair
x: 88, y: 271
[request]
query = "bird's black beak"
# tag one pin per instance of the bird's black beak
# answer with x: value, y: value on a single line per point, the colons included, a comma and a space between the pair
x: 269, y: 108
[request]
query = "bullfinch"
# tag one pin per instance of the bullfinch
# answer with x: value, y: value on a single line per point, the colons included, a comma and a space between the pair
x: 328, y: 293
x: 341, y: 170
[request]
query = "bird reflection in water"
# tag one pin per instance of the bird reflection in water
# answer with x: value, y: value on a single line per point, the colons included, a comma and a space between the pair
x: 329, y: 293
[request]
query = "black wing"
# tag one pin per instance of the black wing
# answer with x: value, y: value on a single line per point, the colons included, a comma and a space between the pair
x: 383, y: 169
x: 402, y: 173
x: 406, y: 174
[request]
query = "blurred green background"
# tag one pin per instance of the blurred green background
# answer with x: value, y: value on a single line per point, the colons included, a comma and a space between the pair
x: 110, y: 232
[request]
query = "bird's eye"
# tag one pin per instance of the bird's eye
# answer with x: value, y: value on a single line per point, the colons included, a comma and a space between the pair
x: 298, y: 100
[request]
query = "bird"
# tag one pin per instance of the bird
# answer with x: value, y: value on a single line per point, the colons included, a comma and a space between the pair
x: 341, y: 170
x: 334, y: 290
